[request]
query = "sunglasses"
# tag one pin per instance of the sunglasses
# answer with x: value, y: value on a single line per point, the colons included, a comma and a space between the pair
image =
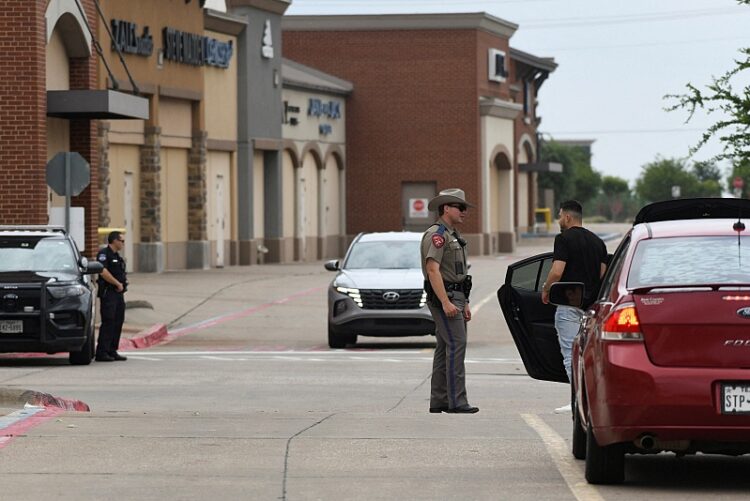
x: 460, y: 207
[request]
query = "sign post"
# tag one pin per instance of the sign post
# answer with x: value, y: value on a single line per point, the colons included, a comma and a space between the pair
x: 68, y: 174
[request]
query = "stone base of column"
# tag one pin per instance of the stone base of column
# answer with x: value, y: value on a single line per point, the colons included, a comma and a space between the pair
x: 150, y: 257
x: 248, y: 252
x: 198, y: 254
x: 506, y: 241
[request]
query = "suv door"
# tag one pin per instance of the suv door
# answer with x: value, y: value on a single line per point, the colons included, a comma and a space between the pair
x: 531, y: 322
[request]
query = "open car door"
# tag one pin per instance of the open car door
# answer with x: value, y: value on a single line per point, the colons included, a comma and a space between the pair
x: 532, y: 323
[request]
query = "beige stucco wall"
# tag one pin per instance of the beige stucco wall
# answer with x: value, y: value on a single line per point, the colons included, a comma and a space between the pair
x: 122, y: 159
x: 498, y: 189
x: 175, y: 119
x: 307, y: 128
x: 220, y: 97
x: 126, y: 131
x: 58, y: 129
x: 332, y: 178
x: 258, y: 199
x: 174, y: 213
x: 289, y: 192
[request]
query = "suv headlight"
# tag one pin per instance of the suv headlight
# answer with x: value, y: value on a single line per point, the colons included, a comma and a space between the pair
x: 67, y: 291
x: 352, y: 293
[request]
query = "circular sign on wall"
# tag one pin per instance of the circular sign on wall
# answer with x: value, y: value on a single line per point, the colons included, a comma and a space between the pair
x: 418, y: 208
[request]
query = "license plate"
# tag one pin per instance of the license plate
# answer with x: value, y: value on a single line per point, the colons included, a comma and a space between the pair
x: 11, y: 326
x: 735, y: 398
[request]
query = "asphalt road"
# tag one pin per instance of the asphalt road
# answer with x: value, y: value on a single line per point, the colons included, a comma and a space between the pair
x: 253, y: 405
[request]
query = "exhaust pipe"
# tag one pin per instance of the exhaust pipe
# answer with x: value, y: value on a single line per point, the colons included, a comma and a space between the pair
x: 652, y: 443
x: 647, y: 442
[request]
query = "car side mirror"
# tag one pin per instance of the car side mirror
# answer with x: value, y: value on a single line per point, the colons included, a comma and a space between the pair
x: 92, y: 267
x: 332, y: 265
x: 567, y: 294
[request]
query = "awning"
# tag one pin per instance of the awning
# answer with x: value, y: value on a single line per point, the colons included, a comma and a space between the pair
x: 96, y: 104
x: 541, y: 167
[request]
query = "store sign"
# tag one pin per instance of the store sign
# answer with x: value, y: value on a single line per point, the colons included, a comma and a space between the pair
x: 318, y: 108
x: 418, y: 208
x: 325, y: 129
x: 196, y: 50
x: 125, y: 37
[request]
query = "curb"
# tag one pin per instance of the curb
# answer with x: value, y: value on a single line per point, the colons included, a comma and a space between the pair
x: 38, y: 399
x: 146, y: 338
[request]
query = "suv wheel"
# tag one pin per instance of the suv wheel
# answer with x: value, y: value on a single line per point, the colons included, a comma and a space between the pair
x: 338, y: 340
x: 86, y: 354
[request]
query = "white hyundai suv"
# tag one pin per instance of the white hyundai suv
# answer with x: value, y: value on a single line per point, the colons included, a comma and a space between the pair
x: 378, y: 290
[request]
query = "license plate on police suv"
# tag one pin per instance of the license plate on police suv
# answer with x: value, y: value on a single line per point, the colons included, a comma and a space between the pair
x: 11, y: 326
x: 735, y: 398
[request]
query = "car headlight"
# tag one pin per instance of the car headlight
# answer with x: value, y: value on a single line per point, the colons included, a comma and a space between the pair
x: 423, y: 301
x: 352, y: 293
x: 67, y: 291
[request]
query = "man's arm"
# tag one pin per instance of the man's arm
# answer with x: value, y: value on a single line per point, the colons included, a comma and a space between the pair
x: 436, y: 280
x: 554, y: 275
x: 109, y: 278
x: 603, y: 270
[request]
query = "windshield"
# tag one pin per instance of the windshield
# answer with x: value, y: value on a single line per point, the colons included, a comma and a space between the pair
x: 36, y: 254
x: 690, y: 261
x: 384, y: 255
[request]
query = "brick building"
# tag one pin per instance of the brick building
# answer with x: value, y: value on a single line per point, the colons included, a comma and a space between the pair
x: 440, y: 100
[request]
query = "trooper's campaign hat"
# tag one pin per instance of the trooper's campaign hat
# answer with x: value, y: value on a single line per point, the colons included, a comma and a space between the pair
x: 449, y: 196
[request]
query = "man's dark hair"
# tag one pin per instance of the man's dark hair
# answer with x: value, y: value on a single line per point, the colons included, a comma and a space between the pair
x: 441, y: 210
x: 572, y: 207
x: 113, y: 235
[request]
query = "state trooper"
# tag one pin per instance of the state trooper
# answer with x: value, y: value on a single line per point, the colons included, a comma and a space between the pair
x: 448, y: 284
x: 112, y: 284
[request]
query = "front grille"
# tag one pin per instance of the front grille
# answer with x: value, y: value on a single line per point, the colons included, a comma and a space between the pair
x: 408, y: 299
x: 17, y: 299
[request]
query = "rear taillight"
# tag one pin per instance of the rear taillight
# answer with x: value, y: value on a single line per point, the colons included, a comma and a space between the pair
x: 622, y: 324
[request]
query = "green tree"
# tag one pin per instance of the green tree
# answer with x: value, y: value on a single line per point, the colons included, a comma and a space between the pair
x: 709, y: 177
x: 658, y: 177
x: 578, y: 180
x: 732, y: 106
x: 616, y: 197
x: 742, y: 170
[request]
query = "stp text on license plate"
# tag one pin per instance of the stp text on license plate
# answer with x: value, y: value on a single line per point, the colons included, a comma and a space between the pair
x: 735, y: 398
x: 11, y: 326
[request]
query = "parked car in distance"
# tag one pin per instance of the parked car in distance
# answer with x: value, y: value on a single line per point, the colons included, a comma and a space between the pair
x: 47, y: 300
x: 661, y: 361
x: 378, y: 290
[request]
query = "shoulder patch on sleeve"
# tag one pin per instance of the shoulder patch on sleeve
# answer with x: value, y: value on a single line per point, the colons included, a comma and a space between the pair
x: 101, y: 257
x: 438, y: 240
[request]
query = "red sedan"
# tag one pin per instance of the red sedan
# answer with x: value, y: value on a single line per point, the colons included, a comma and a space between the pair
x: 662, y: 360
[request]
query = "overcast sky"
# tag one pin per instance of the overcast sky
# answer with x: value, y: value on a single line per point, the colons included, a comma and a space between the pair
x: 616, y: 62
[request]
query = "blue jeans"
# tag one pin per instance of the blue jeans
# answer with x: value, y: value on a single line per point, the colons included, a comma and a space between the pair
x: 567, y: 324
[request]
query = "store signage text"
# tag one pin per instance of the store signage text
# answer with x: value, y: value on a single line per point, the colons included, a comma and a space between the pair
x: 197, y: 50
x: 125, y: 37
x: 318, y: 108
x: 325, y: 129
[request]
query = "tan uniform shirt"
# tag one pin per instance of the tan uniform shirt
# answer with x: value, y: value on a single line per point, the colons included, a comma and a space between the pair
x: 440, y: 242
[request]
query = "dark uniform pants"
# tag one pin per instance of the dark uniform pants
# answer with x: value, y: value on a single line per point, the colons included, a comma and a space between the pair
x: 448, y: 386
x: 113, y: 316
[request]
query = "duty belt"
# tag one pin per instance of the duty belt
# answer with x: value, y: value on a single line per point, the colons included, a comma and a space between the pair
x: 451, y: 286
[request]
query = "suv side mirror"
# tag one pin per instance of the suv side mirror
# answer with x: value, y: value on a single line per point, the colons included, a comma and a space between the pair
x: 566, y: 294
x: 90, y: 268
x: 332, y: 265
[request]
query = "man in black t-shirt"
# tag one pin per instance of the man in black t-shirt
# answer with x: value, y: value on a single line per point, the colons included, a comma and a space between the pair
x: 579, y: 256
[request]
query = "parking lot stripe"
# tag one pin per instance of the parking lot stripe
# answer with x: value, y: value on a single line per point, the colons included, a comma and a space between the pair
x: 563, y: 459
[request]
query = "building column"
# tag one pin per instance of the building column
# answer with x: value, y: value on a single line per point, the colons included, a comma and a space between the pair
x: 273, y: 210
x: 198, y: 247
x: 245, y: 185
x: 104, y: 178
x: 150, y: 249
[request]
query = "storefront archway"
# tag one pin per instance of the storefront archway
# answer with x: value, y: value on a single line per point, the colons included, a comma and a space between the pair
x: 64, y: 16
x: 307, y: 199
x: 501, y: 199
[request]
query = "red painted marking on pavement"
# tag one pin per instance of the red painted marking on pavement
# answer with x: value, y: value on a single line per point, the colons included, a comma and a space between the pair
x: 152, y: 336
x: 21, y: 427
x: 183, y: 331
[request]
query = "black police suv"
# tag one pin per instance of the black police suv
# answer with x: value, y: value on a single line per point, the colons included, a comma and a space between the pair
x: 47, y: 298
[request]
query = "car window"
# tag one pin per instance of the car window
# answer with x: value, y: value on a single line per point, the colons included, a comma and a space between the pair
x: 399, y: 254
x: 613, y: 269
x: 531, y: 275
x: 690, y: 261
x: 36, y: 254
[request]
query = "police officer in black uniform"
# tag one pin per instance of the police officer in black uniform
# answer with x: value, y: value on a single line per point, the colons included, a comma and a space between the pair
x: 112, y: 284
x: 448, y: 284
